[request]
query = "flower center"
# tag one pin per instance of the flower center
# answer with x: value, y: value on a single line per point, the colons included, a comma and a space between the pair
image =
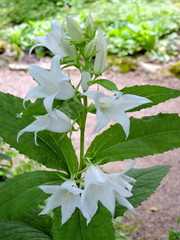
x: 104, y: 106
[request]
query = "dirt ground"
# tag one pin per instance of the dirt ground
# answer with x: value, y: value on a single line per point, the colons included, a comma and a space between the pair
x: 159, y: 214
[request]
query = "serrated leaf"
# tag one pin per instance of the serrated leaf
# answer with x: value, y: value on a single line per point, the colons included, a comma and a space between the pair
x: 76, y: 227
x: 72, y: 108
x: 20, y: 231
x: 157, y: 94
x: 55, y: 150
x: 21, y: 193
x: 104, y: 83
x: 148, y: 136
x: 147, y: 180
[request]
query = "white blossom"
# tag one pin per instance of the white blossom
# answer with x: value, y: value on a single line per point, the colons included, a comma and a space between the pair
x: 114, y: 107
x: 52, y: 39
x: 106, y: 188
x: 54, y: 121
x: 66, y: 196
x: 52, y: 84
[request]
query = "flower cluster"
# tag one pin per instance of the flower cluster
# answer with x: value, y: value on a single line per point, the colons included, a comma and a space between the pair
x: 86, y: 49
x: 98, y: 186
x: 88, y: 53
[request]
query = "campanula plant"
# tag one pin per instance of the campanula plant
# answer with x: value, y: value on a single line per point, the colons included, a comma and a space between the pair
x: 75, y: 198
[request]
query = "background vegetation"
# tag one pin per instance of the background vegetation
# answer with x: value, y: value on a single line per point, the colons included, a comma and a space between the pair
x: 131, y: 26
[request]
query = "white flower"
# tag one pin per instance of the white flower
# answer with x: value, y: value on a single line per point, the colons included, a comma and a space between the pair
x: 85, y: 78
x: 52, y: 40
x: 54, y: 121
x: 52, y: 84
x: 101, y: 48
x: 105, y: 188
x: 114, y: 107
x: 89, y: 25
x: 67, y: 195
x: 74, y: 30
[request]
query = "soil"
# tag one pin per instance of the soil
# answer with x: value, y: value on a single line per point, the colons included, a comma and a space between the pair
x: 159, y: 214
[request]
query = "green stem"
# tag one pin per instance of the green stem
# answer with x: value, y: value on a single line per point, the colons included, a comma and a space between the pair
x: 82, y: 134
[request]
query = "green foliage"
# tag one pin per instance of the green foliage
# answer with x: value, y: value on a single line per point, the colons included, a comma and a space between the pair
x: 147, y: 180
x: 174, y: 235
x: 54, y: 150
x: 20, y: 231
x: 175, y: 69
x: 21, y: 193
x: 104, y: 83
x: 156, y: 134
x: 101, y: 221
x: 130, y: 26
x: 122, y: 229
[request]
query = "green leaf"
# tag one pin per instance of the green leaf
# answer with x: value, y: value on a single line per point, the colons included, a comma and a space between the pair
x: 148, y: 136
x: 76, y: 228
x: 32, y: 218
x: 4, y: 156
x: 147, y: 180
x: 20, y: 231
x: 72, y: 108
x: 104, y: 83
x: 156, y: 94
x: 22, y: 192
x: 55, y: 150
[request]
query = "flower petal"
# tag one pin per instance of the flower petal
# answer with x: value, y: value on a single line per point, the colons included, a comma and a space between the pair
x: 66, y: 91
x: 119, y: 116
x: 38, y: 125
x: 52, y: 203
x: 124, y: 202
x: 129, y: 101
x: 59, y: 122
x: 101, y: 121
x: 50, y: 189
x: 48, y: 102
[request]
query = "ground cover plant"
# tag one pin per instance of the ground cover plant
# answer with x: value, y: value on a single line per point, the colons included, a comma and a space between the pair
x: 75, y: 194
x: 130, y: 26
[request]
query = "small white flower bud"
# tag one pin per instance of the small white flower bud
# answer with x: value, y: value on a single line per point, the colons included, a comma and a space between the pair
x: 89, y: 48
x: 68, y: 48
x: 86, y: 77
x: 89, y: 25
x: 74, y: 30
x: 101, y: 48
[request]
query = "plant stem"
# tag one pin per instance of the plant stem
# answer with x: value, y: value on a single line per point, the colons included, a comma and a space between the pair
x: 82, y: 134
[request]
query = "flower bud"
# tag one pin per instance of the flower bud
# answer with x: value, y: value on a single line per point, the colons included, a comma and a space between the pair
x: 89, y: 25
x: 74, y: 30
x: 90, y: 48
x: 101, y: 48
x: 68, y: 48
x: 86, y: 77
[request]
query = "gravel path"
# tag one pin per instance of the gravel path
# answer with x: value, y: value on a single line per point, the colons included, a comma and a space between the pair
x: 158, y: 215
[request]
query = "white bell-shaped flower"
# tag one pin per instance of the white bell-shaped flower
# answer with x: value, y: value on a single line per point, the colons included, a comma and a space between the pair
x: 52, y: 39
x: 54, y: 121
x: 52, y: 84
x: 106, y: 188
x: 66, y: 196
x: 114, y: 107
